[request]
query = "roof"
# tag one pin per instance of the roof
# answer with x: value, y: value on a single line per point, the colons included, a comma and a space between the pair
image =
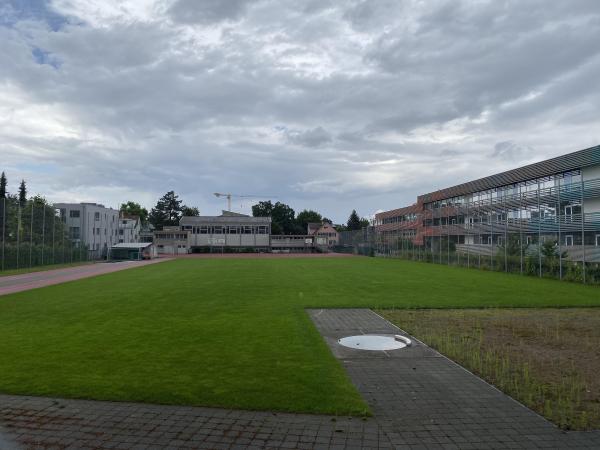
x: 223, y: 220
x: 312, y: 227
x: 565, y: 163
x: 132, y: 245
x: 414, y: 208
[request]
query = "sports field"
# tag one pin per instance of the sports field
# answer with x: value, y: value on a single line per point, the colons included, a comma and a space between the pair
x: 228, y: 332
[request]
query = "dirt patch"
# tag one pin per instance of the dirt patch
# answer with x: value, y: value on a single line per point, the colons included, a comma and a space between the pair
x: 549, y: 359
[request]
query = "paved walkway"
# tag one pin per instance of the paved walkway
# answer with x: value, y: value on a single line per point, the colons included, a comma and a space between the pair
x: 419, y: 398
x: 32, y: 280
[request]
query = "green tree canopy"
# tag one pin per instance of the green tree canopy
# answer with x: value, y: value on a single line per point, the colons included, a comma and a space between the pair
x: 190, y: 211
x: 167, y: 211
x: 135, y: 209
x: 307, y: 216
x: 282, y: 216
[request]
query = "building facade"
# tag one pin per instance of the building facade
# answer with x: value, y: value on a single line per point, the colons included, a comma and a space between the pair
x: 91, y: 225
x: 129, y: 229
x: 325, y: 235
x: 520, y: 220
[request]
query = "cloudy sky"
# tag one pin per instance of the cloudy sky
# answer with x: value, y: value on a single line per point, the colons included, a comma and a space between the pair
x: 330, y: 105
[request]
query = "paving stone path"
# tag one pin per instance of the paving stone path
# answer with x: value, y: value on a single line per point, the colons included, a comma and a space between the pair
x: 420, y: 400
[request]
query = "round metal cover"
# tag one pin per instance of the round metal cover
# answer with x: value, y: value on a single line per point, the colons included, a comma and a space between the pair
x: 372, y: 342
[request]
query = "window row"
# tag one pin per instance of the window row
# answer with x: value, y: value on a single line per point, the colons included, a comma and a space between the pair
x: 225, y: 229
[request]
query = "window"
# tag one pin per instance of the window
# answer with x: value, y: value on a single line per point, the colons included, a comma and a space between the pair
x: 529, y: 240
x: 96, y: 216
x: 569, y: 240
x: 500, y: 240
x: 489, y: 240
x: 74, y: 213
x: 217, y: 230
x: 120, y: 232
x: 204, y: 229
x: 598, y: 240
x: 74, y: 232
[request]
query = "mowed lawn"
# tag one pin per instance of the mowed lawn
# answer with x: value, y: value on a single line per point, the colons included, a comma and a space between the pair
x: 228, y: 332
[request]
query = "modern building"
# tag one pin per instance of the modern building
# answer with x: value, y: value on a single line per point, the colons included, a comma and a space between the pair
x: 91, y: 225
x: 512, y: 213
x: 129, y: 229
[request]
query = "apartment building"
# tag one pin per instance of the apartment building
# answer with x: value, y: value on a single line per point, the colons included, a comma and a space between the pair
x: 92, y: 225
x: 129, y: 229
x: 324, y: 233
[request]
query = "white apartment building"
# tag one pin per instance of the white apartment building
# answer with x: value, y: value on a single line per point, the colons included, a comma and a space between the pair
x: 129, y: 229
x: 92, y: 225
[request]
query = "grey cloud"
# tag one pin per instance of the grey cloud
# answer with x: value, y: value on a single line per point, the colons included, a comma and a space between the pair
x: 391, y: 99
x: 511, y: 151
x: 207, y: 11
x: 309, y: 138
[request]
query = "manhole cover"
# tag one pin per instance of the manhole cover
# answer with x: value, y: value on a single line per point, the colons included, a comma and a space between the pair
x: 375, y: 342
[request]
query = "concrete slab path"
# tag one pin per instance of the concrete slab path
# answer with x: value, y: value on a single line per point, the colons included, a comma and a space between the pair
x: 23, y: 282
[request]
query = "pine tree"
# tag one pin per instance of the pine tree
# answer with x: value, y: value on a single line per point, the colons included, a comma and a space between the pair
x: 22, y: 194
x: 166, y: 212
x: 353, y: 221
x: 3, y: 185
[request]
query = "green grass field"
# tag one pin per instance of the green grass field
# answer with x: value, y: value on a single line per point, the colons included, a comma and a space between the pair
x: 228, y: 332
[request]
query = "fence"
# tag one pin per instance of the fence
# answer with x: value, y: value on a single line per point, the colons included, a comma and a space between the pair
x: 33, y: 234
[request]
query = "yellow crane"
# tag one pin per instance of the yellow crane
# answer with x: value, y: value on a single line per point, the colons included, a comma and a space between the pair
x: 229, y: 196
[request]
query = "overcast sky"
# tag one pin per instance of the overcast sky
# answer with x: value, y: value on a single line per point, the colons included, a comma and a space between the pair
x: 325, y: 105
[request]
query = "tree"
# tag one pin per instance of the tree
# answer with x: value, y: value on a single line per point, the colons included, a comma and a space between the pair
x: 22, y: 193
x: 353, y: 221
x: 282, y: 216
x: 135, y: 209
x: 190, y: 211
x: 167, y: 211
x: 307, y: 216
x: 2, y: 185
x: 364, y: 222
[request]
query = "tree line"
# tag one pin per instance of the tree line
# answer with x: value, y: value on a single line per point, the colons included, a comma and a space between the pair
x: 285, y: 221
x: 169, y: 210
x: 31, y: 233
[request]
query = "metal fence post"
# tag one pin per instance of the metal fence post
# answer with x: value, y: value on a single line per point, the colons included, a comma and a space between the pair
x: 583, y: 227
x: 3, y: 228
x: 539, y: 230
x: 560, y: 272
x: 31, y: 234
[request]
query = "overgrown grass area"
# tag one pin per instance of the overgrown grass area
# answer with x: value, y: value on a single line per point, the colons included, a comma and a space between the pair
x: 7, y: 273
x: 228, y: 332
x: 548, y: 359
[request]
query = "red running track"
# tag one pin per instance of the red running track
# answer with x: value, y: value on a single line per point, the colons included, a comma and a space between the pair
x: 32, y: 280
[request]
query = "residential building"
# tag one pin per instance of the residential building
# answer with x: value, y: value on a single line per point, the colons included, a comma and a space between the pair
x: 129, y: 229
x: 325, y: 234
x: 91, y: 225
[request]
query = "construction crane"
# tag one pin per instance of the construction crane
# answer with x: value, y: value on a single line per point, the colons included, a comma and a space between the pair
x: 229, y: 196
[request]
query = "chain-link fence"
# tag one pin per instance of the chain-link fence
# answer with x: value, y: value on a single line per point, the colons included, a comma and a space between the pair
x: 32, y: 233
x: 549, y: 228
